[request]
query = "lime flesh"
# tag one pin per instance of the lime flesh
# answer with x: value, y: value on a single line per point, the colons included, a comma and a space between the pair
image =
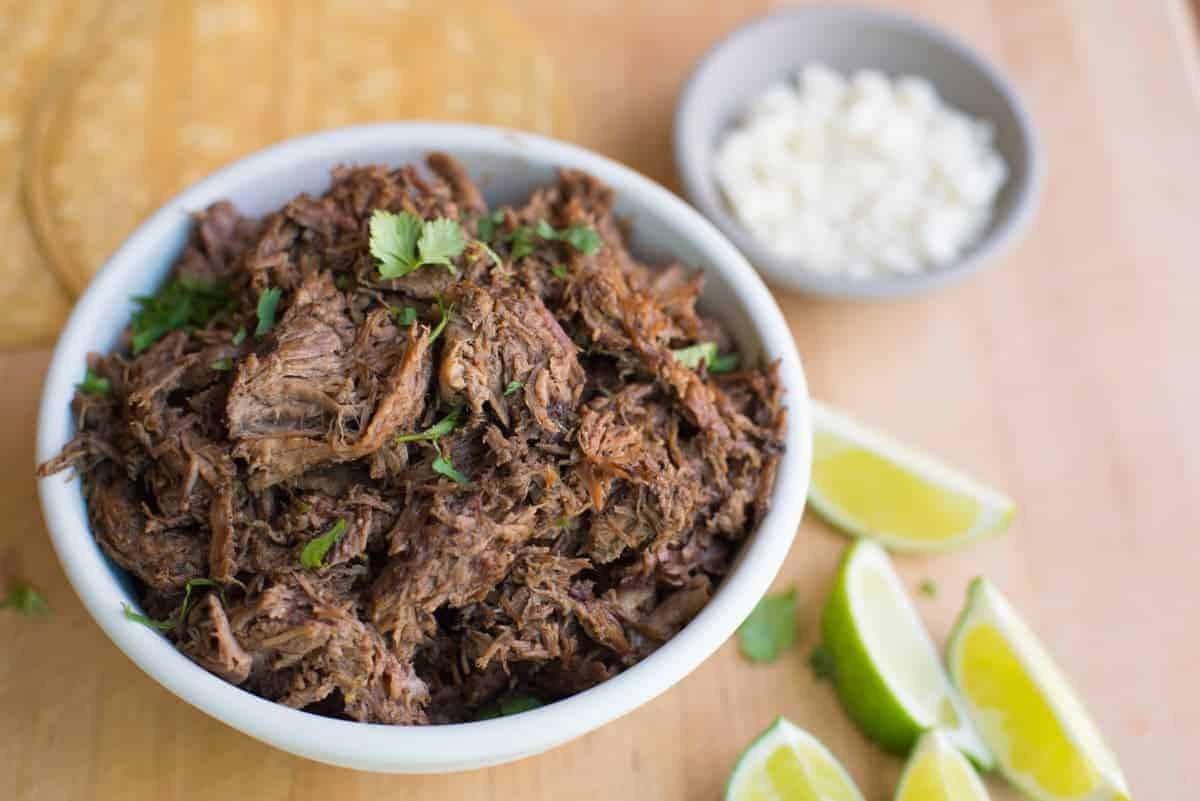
x: 786, y: 763
x: 936, y: 771
x: 1025, y: 708
x: 870, y: 486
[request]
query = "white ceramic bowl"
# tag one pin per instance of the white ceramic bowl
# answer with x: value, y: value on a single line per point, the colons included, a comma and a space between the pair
x: 508, y: 165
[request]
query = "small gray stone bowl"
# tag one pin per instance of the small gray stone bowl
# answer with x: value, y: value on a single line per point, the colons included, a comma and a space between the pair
x: 850, y: 38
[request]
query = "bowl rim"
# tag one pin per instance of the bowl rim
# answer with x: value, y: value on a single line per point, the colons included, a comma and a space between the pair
x: 450, y: 747
x: 780, y: 270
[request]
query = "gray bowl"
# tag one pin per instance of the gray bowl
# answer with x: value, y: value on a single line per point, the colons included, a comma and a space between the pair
x: 849, y: 38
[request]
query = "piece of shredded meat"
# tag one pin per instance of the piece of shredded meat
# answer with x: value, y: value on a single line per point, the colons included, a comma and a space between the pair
x: 580, y: 503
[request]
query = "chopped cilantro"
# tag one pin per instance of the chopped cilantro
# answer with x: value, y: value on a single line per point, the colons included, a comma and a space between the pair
x: 313, y: 554
x: 435, y: 432
x: 583, y: 238
x: 725, y: 364
x: 691, y: 356
x: 559, y: 270
x: 512, y: 706
x: 240, y: 336
x: 268, y: 301
x: 342, y: 281
x: 928, y: 588
x: 488, y: 250
x: 403, y: 242
x: 223, y: 364
x: 447, y: 313
x: 443, y: 466
x: 181, y: 614
x: 822, y: 664
x: 562, y: 522
x: 770, y: 629
x: 521, y: 241
x: 182, y: 303
x: 93, y: 384
x: 405, y: 316
x: 486, y: 226
x: 26, y: 600
x: 513, y: 388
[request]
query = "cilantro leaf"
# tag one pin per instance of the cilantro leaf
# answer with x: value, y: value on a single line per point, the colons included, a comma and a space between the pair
x: 521, y: 241
x: 93, y: 384
x: 445, y: 467
x: 26, y: 600
x: 268, y: 301
x: 491, y: 253
x: 394, y: 242
x: 512, y: 706
x: 770, y: 629
x: 562, y: 522
x: 223, y: 364
x: 406, y: 316
x: 545, y: 230
x: 560, y: 271
x: 435, y: 432
x: 342, y: 281
x: 928, y: 588
x: 487, y: 224
x: 182, y: 303
x: 447, y: 313
x: 583, y: 238
x: 313, y: 554
x: 180, y: 615
x: 822, y: 663
x: 513, y: 388
x: 240, y: 336
x: 691, y: 356
x: 441, y: 240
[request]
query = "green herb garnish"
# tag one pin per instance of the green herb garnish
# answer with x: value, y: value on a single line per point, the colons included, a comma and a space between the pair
x: 770, y: 629
x: 403, y: 242
x: 445, y: 467
x: 560, y: 271
x: 435, y: 432
x: 223, y: 364
x: 487, y: 224
x: 513, y: 706
x: 513, y: 388
x: 26, y: 600
x: 691, y: 356
x: 562, y: 522
x: 406, y: 316
x: 181, y: 614
x: 581, y: 237
x: 183, y: 303
x: 342, y: 281
x: 495, y: 257
x: 928, y: 588
x: 93, y: 384
x: 447, y: 313
x: 313, y: 555
x: 240, y: 336
x: 521, y: 241
x: 268, y: 301
x: 822, y: 663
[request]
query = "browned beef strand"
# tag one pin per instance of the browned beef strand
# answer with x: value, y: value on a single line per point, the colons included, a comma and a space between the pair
x: 608, y: 486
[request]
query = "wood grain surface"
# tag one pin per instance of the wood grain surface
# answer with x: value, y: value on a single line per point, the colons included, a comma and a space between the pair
x: 1065, y: 374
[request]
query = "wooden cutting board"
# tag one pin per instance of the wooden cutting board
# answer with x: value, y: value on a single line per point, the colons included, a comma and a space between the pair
x: 1065, y: 374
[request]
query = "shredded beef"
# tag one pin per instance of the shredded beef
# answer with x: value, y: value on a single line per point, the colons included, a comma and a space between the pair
x: 599, y: 488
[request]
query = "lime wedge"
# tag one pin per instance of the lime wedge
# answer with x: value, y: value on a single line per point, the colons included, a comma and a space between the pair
x: 869, y: 486
x: 786, y: 763
x: 887, y: 671
x: 936, y: 771
x: 1024, y: 707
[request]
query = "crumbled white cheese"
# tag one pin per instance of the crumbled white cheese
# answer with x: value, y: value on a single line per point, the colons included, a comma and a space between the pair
x: 862, y: 176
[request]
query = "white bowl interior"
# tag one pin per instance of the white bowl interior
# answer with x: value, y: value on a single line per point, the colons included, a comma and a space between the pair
x: 508, y: 166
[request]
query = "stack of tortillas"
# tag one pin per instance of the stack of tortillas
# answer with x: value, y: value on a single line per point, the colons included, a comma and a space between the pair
x: 158, y: 93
